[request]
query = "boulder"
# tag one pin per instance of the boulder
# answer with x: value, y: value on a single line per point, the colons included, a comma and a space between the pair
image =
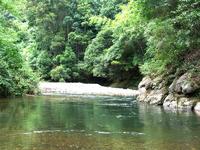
x: 157, y: 83
x: 170, y: 102
x: 142, y: 94
x: 189, y: 87
x: 174, y: 101
x: 145, y: 83
x: 180, y: 82
x: 184, y: 85
x: 156, y: 97
x: 172, y: 86
x: 197, y: 107
x: 186, y: 103
x: 152, y: 91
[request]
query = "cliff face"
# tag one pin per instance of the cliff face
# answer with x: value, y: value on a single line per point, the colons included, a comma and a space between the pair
x: 181, y: 92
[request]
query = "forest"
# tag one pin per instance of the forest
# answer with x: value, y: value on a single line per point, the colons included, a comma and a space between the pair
x: 115, y: 41
x: 99, y: 74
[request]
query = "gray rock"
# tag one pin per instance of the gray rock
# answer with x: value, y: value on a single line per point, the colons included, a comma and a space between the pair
x: 156, y: 97
x: 189, y: 87
x: 170, y: 102
x: 155, y: 92
x: 174, y: 101
x: 172, y: 86
x: 146, y: 83
x: 197, y: 107
x: 142, y: 94
x: 157, y: 82
x: 180, y: 82
x: 184, y: 85
x: 186, y: 103
x: 152, y: 91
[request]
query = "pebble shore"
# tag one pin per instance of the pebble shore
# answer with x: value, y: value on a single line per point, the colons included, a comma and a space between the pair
x: 57, y: 88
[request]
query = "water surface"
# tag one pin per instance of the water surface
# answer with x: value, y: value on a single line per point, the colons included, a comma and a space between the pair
x: 94, y: 123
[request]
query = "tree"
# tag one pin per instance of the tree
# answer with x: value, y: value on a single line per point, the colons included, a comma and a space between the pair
x: 16, y: 78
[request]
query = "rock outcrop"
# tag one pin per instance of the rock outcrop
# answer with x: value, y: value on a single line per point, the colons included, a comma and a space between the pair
x: 174, y: 101
x: 152, y: 91
x: 184, y: 85
x: 177, y: 95
x: 145, y: 83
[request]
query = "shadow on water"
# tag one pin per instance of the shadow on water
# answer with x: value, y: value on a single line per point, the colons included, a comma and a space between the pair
x: 94, y: 123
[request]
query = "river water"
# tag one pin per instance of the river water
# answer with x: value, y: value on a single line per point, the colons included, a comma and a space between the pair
x: 94, y: 123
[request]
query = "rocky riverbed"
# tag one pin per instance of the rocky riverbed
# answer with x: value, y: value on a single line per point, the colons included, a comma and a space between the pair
x: 48, y: 88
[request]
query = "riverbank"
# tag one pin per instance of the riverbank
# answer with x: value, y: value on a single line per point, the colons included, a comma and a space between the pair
x: 154, y: 91
x: 57, y: 88
x: 180, y: 92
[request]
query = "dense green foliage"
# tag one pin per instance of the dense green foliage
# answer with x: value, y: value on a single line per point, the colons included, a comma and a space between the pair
x: 171, y: 35
x: 16, y: 77
x: 152, y: 35
x: 111, y: 39
x: 62, y: 30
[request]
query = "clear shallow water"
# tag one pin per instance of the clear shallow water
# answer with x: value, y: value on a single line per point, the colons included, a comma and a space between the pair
x: 94, y: 123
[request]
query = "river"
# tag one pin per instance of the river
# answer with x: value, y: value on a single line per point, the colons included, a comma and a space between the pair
x: 94, y: 123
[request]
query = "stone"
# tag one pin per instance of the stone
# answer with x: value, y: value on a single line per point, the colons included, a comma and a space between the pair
x: 172, y: 86
x: 146, y: 83
x: 58, y: 88
x: 157, y: 83
x: 197, y: 107
x: 180, y: 82
x: 156, y: 97
x: 176, y: 97
x: 152, y: 91
x: 142, y: 94
x: 170, y: 101
x: 189, y: 87
x: 174, y: 101
x: 184, y: 85
x: 186, y: 103
x: 161, y: 85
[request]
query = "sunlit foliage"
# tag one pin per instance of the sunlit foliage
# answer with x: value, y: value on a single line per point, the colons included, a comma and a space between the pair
x: 16, y: 78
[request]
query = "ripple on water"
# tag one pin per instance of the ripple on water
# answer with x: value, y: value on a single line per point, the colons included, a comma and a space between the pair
x: 116, y: 104
x: 121, y: 133
x: 123, y: 116
x: 84, y: 131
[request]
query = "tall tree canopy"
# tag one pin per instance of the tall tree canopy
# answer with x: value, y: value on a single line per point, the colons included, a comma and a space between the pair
x: 16, y: 77
x: 62, y: 30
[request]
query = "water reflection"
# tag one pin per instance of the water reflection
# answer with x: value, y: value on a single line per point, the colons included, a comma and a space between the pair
x: 107, y: 123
